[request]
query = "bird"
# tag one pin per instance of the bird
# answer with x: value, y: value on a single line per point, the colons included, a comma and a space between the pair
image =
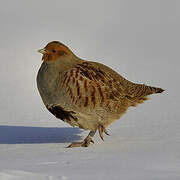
x: 85, y: 94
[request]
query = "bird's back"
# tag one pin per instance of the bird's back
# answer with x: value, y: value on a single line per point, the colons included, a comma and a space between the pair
x: 132, y: 92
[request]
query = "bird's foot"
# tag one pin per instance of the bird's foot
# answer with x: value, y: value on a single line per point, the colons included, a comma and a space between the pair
x: 84, y: 143
x: 102, y: 130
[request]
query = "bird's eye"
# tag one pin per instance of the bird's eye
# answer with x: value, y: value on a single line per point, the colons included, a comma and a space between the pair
x: 53, y: 51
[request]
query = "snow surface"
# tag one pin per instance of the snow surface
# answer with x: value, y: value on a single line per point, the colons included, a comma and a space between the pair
x: 139, y: 39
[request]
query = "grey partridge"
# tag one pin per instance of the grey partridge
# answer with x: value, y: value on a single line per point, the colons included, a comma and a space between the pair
x: 83, y: 93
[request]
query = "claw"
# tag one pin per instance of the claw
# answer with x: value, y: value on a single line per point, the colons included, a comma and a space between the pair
x: 92, y: 141
x: 75, y: 144
x: 102, y: 130
x: 105, y: 131
x: 84, y: 143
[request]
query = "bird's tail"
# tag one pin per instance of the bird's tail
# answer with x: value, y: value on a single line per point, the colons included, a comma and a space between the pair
x: 153, y: 90
x: 141, y: 93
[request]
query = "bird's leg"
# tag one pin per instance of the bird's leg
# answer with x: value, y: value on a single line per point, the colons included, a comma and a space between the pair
x: 102, y: 130
x: 85, y: 142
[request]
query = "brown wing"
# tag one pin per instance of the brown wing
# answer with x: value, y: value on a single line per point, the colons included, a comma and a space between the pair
x: 88, y: 86
x: 91, y: 84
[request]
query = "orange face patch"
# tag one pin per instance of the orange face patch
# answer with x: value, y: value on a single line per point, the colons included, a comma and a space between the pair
x: 54, y: 50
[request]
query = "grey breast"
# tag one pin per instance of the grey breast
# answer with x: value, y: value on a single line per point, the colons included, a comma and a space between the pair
x: 48, y: 83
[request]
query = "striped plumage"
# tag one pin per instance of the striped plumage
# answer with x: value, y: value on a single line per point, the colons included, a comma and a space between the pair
x: 86, y: 94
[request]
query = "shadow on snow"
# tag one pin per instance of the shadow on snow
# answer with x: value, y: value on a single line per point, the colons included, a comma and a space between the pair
x: 31, y: 135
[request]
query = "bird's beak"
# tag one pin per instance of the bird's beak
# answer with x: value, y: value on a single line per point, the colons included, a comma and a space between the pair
x: 43, y: 51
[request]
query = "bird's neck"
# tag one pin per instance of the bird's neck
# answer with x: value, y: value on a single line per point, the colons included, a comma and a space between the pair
x: 64, y: 63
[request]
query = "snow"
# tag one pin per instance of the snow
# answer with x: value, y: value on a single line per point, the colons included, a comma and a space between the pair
x: 139, y: 39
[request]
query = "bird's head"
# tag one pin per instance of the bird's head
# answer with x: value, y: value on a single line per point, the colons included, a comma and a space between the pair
x: 54, y: 50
